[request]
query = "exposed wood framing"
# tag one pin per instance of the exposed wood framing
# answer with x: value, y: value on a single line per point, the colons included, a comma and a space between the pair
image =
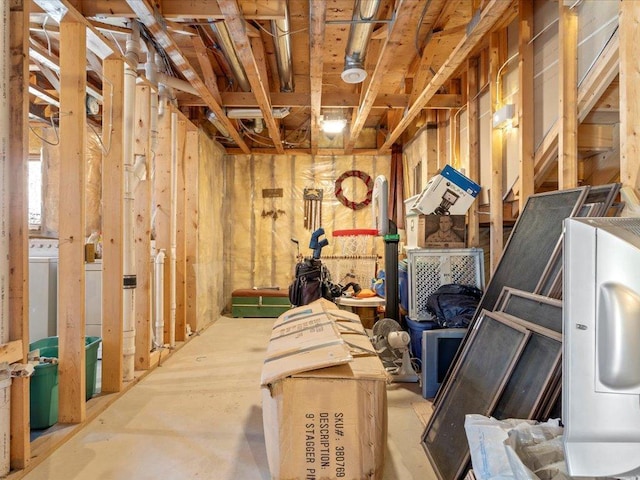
x: 112, y: 227
x: 181, y: 284
x: 406, y: 11
x: 593, y: 137
x: 317, y: 15
x: 191, y: 169
x: 629, y: 95
x: 525, y: 102
x: 16, y: 350
x: 568, y: 84
x: 162, y: 209
x: 142, y: 230
x: 473, y: 140
x: 454, y: 129
x: 179, y: 9
x: 71, y: 287
x: 495, y: 195
x: 442, y: 140
x: 259, y: 84
x: 205, y: 66
x: 493, y: 10
x: 154, y: 22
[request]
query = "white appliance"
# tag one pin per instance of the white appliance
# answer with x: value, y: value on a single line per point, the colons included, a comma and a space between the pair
x: 93, y: 300
x: 43, y: 297
x: 601, y: 349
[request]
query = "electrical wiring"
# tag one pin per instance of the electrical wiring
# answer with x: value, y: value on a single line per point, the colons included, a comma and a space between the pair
x: 44, y: 139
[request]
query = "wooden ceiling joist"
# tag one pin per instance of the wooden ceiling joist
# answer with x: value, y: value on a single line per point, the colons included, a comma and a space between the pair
x: 151, y: 19
x: 255, y: 72
x: 317, y: 19
x: 490, y: 14
x: 180, y: 9
x: 406, y: 13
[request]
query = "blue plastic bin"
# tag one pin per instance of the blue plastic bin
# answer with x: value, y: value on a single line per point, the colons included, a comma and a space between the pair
x: 415, y: 332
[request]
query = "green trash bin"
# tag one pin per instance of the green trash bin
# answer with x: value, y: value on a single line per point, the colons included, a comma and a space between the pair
x: 43, y: 399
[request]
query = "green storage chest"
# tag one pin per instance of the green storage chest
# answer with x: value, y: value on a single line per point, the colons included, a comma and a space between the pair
x: 259, y: 303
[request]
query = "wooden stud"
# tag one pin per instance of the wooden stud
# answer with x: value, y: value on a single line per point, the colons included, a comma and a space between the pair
x: 629, y: 95
x: 162, y: 209
x: 112, y: 227
x: 568, y: 98
x: 525, y: 102
x: 473, y: 134
x: 20, y: 449
x: 442, y: 140
x: 179, y: 201
x: 142, y: 230
x: 192, y: 158
x: 495, y: 195
x: 454, y: 129
x: 71, y: 283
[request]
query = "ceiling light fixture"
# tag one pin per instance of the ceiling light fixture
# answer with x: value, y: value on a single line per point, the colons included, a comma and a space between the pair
x: 333, y: 125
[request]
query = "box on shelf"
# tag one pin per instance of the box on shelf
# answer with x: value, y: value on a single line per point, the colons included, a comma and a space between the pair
x: 411, y: 222
x: 448, y: 193
x: 442, y: 231
x: 324, y: 399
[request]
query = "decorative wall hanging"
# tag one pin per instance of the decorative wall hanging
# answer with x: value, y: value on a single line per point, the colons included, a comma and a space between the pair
x: 349, y: 203
x: 312, y: 208
x: 273, y: 194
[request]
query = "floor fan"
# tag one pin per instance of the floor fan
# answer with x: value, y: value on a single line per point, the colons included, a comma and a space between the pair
x: 392, y: 345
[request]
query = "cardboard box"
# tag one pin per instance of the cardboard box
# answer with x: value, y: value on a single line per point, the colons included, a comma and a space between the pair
x: 411, y: 222
x: 324, y: 398
x: 448, y: 193
x: 442, y: 231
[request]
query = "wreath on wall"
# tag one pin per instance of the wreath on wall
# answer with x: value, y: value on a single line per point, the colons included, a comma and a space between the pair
x: 349, y: 203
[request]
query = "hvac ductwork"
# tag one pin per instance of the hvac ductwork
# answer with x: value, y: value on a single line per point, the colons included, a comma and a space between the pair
x: 226, y: 45
x: 282, y: 42
x: 364, y: 14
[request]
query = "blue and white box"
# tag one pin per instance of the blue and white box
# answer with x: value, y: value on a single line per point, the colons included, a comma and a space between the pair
x: 448, y: 193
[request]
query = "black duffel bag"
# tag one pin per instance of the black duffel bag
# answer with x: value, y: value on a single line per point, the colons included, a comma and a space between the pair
x: 454, y: 305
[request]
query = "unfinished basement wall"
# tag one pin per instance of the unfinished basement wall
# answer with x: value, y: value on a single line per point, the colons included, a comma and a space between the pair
x: 266, y: 210
x: 212, y: 225
x: 52, y: 178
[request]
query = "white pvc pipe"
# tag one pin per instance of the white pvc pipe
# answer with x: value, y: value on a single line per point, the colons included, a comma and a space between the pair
x: 174, y: 217
x: 176, y: 83
x: 5, y: 68
x: 129, y: 266
x: 158, y: 299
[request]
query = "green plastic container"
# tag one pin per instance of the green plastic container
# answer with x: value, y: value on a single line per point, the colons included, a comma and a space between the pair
x: 43, y: 399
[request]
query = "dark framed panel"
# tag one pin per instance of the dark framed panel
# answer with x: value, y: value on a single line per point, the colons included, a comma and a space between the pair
x: 538, y: 309
x: 484, y: 366
x: 534, y: 372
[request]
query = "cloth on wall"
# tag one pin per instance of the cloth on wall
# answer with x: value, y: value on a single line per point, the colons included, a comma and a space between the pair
x: 396, y: 187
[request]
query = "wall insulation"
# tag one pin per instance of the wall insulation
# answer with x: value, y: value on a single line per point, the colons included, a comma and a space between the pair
x: 211, y: 229
x: 263, y: 220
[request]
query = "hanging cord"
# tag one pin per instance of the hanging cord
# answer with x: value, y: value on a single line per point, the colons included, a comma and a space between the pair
x: 44, y: 139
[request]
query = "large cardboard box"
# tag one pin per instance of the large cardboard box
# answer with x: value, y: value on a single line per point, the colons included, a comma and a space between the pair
x: 324, y: 398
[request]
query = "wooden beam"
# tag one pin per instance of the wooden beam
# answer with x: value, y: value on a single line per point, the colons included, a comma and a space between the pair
x: 112, y: 228
x: 405, y: 14
x: 454, y: 128
x: 259, y: 85
x: 317, y: 19
x: 48, y: 97
x: 424, y: 71
x: 180, y: 10
x: 162, y: 209
x: 181, y: 261
x: 568, y: 98
x: 442, y: 140
x: 496, y: 213
x: 473, y: 140
x: 488, y: 17
x: 205, y: 65
x: 191, y: 169
x: 142, y: 230
x: 154, y: 22
x: 525, y: 102
x: 595, y: 138
x: 71, y: 281
x: 629, y: 95
x: 18, y: 152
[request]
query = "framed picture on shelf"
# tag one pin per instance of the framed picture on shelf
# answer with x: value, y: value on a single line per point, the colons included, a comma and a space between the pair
x: 442, y: 231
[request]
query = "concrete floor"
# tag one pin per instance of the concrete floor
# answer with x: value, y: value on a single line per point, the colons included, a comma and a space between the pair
x: 198, y: 415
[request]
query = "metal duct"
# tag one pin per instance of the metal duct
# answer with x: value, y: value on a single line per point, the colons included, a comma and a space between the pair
x: 364, y: 13
x: 282, y: 42
x: 226, y: 45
